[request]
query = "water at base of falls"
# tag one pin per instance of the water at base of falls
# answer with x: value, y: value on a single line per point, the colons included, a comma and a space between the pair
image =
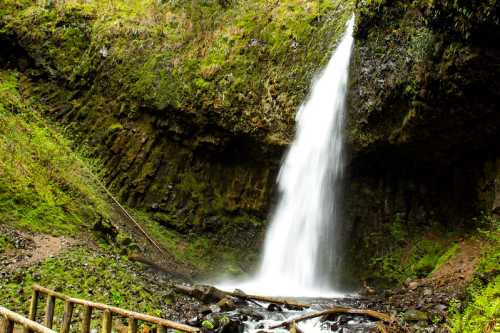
x: 301, y: 252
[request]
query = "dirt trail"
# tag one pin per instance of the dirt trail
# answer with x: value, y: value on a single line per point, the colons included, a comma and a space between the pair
x: 26, y: 249
x: 461, y: 265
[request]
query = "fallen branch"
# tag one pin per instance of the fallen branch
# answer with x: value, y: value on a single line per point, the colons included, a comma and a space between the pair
x: 381, y: 327
x: 212, y: 294
x: 369, y: 313
x: 290, y: 304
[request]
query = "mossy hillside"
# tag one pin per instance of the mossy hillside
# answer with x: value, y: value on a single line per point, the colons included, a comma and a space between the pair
x: 416, y: 254
x: 89, y: 274
x: 208, y: 254
x: 194, y: 189
x: 244, y: 67
x: 410, y: 258
x: 44, y: 187
x: 47, y: 188
x: 479, y: 311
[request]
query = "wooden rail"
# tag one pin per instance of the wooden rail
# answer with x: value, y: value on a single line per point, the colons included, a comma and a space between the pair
x: 88, y: 306
x: 9, y: 318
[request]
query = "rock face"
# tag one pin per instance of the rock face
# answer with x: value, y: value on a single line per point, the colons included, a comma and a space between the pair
x: 190, y: 111
x: 423, y: 129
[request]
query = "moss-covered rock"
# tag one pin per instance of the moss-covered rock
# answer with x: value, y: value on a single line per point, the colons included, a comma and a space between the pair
x: 189, y: 105
x: 423, y: 123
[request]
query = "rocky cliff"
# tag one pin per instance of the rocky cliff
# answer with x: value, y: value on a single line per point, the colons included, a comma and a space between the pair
x: 424, y: 124
x: 190, y: 106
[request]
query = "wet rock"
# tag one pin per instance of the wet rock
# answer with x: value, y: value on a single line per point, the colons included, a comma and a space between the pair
x: 251, y: 313
x: 227, y: 304
x: 274, y: 308
x: 440, y: 307
x: 427, y: 292
x: 215, y: 308
x: 195, y: 321
x: 231, y: 325
x: 204, y: 310
x: 415, y: 315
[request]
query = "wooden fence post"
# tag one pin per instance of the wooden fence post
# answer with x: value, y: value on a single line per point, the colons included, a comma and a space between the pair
x: 107, y: 320
x: 87, y: 317
x: 33, y: 308
x: 132, y: 325
x: 68, y: 313
x: 8, y: 325
x: 49, y: 311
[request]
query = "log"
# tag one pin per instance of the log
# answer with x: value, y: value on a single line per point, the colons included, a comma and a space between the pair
x: 381, y: 327
x: 370, y: 313
x: 288, y: 303
x: 68, y: 313
x: 49, y: 311
x: 32, y: 325
x: 294, y: 328
x: 212, y: 294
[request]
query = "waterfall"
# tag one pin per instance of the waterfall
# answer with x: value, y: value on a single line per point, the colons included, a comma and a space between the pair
x: 300, y: 252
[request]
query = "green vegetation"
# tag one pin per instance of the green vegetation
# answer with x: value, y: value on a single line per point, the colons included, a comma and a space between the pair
x: 43, y: 186
x: 482, y: 306
x: 249, y: 62
x: 5, y: 243
x: 205, y: 253
x: 415, y: 258
x: 89, y: 274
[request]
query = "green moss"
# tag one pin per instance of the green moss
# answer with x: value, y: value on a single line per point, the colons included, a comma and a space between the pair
x: 206, y: 253
x: 193, y: 57
x: 107, y: 278
x: 5, y: 243
x: 414, y: 258
x: 482, y: 305
x: 446, y: 256
x: 44, y: 187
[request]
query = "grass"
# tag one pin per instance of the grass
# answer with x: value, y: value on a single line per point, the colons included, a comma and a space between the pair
x: 480, y: 311
x: 415, y: 258
x: 108, y: 278
x: 44, y: 187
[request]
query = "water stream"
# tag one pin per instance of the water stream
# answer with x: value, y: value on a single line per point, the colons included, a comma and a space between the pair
x: 301, y: 255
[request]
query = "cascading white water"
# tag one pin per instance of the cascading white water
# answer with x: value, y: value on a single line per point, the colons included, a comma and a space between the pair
x: 299, y: 251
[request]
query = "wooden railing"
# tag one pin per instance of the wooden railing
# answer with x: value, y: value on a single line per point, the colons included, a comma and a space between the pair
x: 107, y: 314
x: 9, y: 318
